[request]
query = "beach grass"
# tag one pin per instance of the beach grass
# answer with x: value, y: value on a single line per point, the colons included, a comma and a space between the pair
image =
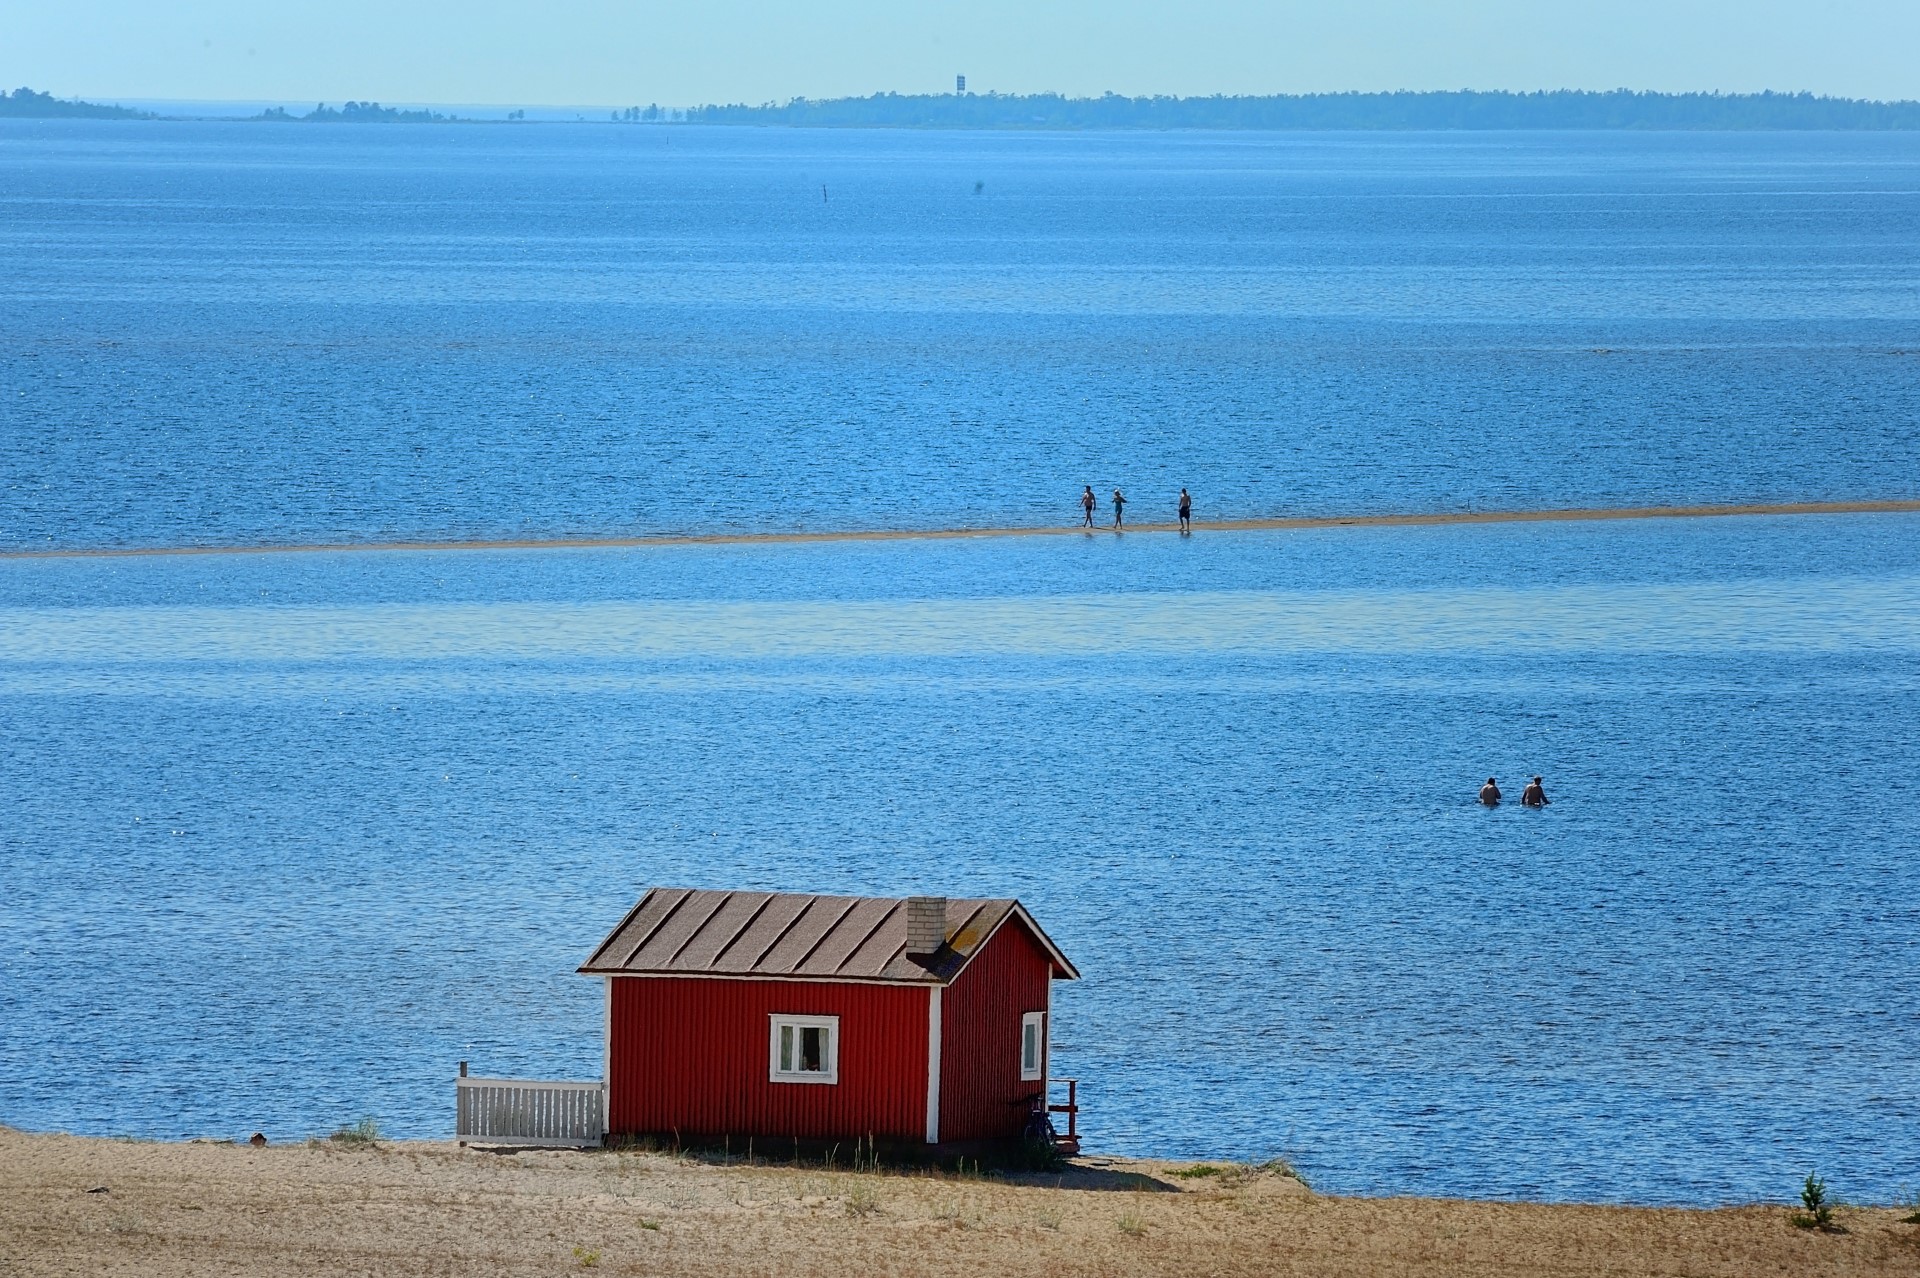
x: 364, y: 1132
x: 404, y: 1207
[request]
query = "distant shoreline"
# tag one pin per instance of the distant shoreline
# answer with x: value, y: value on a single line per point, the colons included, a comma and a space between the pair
x: 1102, y: 526
x: 1449, y: 111
x: 1402, y: 111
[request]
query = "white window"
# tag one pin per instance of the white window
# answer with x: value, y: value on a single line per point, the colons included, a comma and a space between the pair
x: 804, y: 1049
x: 1033, y: 1046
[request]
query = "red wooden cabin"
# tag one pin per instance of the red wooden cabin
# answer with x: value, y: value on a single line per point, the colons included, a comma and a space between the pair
x: 919, y: 1022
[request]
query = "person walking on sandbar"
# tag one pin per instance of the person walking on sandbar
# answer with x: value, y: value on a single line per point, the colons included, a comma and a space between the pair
x: 1186, y: 512
x: 1490, y: 794
x: 1534, y: 796
x: 1086, y: 507
x: 1118, y: 503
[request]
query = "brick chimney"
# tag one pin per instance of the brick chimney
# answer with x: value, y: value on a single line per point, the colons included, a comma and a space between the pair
x: 926, y: 924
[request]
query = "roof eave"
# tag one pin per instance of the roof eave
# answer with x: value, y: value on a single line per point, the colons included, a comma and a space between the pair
x: 782, y: 978
x: 1060, y: 961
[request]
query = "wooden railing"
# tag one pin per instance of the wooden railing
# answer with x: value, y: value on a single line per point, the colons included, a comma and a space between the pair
x: 1070, y: 1139
x: 523, y: 1111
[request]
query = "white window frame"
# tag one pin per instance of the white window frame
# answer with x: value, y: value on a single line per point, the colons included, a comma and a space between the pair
x: 1037, y: 1021
x: 778, y: 1021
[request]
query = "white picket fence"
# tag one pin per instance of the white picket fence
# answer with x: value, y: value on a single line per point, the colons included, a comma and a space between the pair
x: 522, y: 1111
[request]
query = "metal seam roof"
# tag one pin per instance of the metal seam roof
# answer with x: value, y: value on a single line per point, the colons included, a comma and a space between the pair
x: 658, y: 923
x: 662, y: 936
x: 821, y: 939
x: 739, y: 932
x: 778, y: 937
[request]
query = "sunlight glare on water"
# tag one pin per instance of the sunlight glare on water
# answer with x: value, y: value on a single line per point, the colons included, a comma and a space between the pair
x: 1820, y: 614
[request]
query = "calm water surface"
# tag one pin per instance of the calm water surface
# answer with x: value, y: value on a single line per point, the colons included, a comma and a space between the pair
x: 221, y: 334
x: 289, y: 835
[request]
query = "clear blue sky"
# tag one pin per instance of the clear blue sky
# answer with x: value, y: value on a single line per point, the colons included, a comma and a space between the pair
x: 618, y: 52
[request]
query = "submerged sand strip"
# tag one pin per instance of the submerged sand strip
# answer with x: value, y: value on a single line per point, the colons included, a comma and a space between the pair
x: 1274, y: 524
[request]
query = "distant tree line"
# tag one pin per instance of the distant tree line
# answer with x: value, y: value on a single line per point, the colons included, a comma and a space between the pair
x: 1462, y: 110
x: 25, y: 102
x: 1555, y: 109
x: 355, y: 113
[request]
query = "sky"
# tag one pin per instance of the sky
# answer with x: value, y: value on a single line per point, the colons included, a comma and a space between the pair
x: 686, y: 52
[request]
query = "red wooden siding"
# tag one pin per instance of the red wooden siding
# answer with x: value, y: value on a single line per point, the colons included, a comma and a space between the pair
x: 980, y: 1087
x: 691, y: 1055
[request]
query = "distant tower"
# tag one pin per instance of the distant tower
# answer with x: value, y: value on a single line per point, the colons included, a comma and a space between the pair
x: 959, y: 84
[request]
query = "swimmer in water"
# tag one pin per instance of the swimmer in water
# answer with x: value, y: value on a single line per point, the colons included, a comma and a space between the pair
x: 1490, y: 794
x: 1534, y: 796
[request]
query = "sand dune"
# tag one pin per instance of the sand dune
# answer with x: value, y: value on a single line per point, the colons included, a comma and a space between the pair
x: 938, y: 534
x: 72, y: 1205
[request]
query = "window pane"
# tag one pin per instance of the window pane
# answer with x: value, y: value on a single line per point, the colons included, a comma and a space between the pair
x: 1030, y: 1046
x: 812, y: 1049
x: 786, y: 1049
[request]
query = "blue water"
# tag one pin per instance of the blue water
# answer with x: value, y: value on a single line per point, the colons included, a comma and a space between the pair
x: 218, y: 333
x: 287, y: 836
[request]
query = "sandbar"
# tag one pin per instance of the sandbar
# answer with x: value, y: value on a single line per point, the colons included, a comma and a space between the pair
x: 1274, y: 524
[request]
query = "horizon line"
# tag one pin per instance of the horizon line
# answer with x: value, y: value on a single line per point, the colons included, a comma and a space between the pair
x: 517, y: 104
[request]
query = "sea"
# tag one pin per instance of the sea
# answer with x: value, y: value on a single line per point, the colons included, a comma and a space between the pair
x: 288, y: 835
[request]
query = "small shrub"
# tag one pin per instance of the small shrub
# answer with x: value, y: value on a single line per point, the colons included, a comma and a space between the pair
x: 862, y: 1200
x: 1035, y: 1156
x: 587, y: 1258
x: 1819, y: 1213
x: 1196, y: 1172
x: 650, y: 1224
x: 1047, y: 1218
x: 1282, y: 1167
x: 364, y: 1132
x: 1132, y: 1226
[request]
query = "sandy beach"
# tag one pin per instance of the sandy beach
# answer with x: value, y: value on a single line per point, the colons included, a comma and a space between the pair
x: 74, y: 1205
x: 1278, y: 524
